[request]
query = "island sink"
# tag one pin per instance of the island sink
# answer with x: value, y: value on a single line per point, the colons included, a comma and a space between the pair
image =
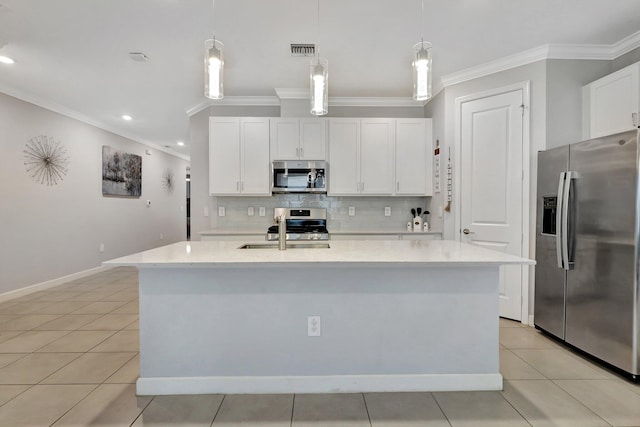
x: 289, y: 246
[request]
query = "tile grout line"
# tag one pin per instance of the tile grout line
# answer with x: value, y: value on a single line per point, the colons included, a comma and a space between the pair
x: 435, y: 399
x: 76, y: 404
x: 366, y: 408
x: 293, y: 407
x: 527, y: 363
x: 578, y: 400
x: 511, y: 404
x: 142, y: 411
x: 218, y: 410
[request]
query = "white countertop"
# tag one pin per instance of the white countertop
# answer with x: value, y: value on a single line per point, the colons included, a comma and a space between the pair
x: 361, y: 252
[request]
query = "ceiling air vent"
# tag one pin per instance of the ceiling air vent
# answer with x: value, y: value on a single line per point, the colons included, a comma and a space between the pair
x: 303, y: 49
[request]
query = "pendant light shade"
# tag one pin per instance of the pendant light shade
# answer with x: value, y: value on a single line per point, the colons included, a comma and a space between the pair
x: 213, y: 69
x: 422, y: 71
x: 319, y: 83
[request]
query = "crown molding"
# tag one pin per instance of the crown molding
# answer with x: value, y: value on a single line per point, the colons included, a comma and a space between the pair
x: 68, y: 112
x: 626, y: 45
x: 547, y: 51
x: 375, y: 102
x: 253, y: 101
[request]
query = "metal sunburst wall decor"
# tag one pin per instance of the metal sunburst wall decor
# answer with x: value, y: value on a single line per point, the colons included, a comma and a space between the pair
x: 46, y: 159
x: 168, y: 181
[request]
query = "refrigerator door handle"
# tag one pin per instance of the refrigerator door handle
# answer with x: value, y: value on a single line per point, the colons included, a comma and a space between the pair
x: 568, y: 178
x: 559, y: 219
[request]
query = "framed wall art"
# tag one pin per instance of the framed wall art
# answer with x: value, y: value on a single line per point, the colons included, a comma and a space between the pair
x: 121, y: 173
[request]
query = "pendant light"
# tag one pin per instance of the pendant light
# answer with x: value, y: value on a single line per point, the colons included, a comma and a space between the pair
x: 422, y: 67
x: 213, y: 67
x: 319, y: 80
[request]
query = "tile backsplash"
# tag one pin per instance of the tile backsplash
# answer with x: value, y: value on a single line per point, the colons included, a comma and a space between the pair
x: 369, y: 211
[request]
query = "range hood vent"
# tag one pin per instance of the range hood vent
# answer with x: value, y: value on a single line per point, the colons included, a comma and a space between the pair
x: 303, y: 49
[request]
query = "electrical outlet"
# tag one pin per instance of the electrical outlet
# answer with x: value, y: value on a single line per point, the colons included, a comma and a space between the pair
x: 313, y: 326
x: 222, y: 211
x: 205, y: 211
x: 250, y: 211
x: 161, y: 236
x: 387, y: 211
x: 352, y: 211
x: 262, y: 211
x: 101, y: 247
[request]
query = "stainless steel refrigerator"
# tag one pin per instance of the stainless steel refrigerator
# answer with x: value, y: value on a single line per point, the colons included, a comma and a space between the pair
x: 587, y: 248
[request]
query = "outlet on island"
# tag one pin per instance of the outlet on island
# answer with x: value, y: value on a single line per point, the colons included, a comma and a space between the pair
x: 352, y: 211
x: 313, y: 326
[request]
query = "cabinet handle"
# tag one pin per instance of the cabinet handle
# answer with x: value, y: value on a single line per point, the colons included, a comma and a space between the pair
x: 237, y: 186
x: 297, y: 152
x: 634, y: 119
x: 362, y: 188
x: 242, y: 186
x: 398, y: 186
x: 302, y: 152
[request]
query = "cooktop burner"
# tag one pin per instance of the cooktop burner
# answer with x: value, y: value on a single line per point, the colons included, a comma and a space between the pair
x: 302, y: 224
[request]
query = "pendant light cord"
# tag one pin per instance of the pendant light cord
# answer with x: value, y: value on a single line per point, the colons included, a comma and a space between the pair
x: 421, y: 24
x: 318, y: 30
x: 213, y: 20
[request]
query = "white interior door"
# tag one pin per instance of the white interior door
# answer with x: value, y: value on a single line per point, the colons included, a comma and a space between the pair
x: 491, y: 184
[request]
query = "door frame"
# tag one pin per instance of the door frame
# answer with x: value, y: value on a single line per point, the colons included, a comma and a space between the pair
x: 526, y: 178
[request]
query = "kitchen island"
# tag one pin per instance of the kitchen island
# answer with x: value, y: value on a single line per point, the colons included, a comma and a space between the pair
x: 393, y: 316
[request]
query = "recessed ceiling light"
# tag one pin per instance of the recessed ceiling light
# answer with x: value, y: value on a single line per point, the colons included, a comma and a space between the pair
x: 180, y: 143
x: 126, y: 117
x: 138, y: 56
x: 6, y: 60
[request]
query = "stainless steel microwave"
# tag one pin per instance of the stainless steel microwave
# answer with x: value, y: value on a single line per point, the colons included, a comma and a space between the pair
x: 299, y: 176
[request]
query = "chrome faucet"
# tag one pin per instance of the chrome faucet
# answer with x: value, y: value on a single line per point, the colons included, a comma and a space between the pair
x: 282, y: 232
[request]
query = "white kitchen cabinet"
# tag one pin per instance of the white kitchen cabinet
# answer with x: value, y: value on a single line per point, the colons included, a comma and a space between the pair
x: 413, y: 164
x: 361, y: 157
x: 344, y: 141
x: 376, y: 156
x: 239, y: 156
x: 298, y: 139
x: 612, y: 104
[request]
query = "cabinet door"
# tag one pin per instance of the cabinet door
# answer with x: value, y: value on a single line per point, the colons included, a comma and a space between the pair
x: 615, y: 102
x: 413, y: 157
x: 224, y: 155
x: 254, y: 136
x: 285, y: 139
x: 344, y: 138
x: 376, y: 156
x: 313, y: 143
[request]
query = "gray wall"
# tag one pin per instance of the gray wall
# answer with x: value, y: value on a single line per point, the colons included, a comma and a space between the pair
x: 565, y: 79
x: 53, y: 231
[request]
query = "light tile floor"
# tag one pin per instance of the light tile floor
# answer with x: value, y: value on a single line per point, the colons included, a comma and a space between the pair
x: 69, y: 357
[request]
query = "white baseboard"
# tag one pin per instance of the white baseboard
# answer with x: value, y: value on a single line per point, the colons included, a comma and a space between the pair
x: 531, y: 320
x: 317, y: 384
x: 17, y: 293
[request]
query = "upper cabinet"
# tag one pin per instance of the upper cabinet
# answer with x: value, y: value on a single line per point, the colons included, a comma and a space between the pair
x: 381, y: 157
x: 612, y: 103
x: 298, y: 139
x: 413, y: 157
x: 239, y: 156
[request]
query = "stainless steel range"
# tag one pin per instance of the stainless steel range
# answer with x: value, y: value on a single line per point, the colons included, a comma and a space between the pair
x: 302, y: 224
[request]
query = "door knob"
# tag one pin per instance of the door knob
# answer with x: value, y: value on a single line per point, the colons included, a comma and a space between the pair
x: 467, y: 231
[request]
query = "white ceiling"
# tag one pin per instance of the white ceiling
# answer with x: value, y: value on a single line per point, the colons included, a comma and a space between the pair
x: 72, y: 55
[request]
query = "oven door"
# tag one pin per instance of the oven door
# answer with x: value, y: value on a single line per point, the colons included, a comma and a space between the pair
x: 299, y: 177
